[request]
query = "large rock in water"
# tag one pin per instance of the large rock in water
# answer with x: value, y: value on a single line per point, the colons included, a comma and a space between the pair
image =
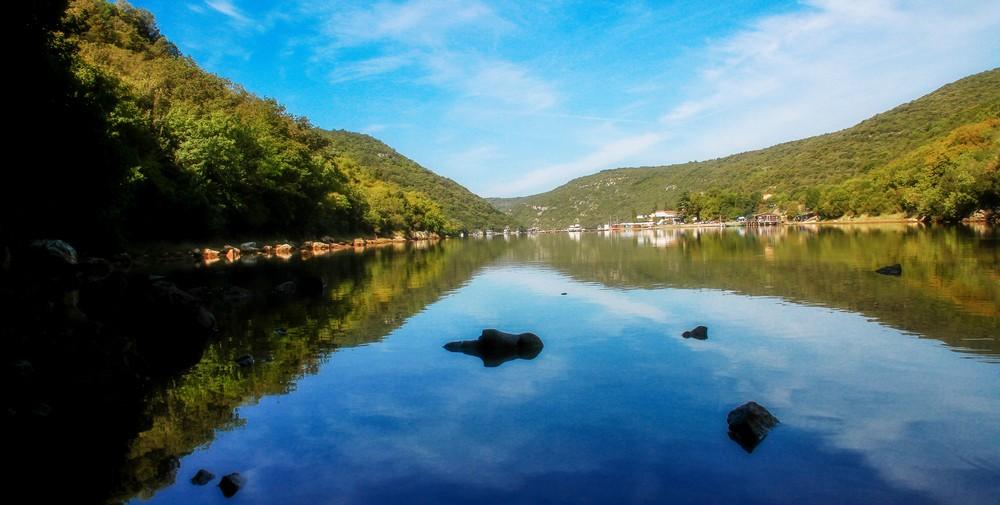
x: 895, y: 269
x: 699, y: 333
x: 749, y: 424
x: 231, y: 483
x: 202, y: 477
x: 495, y: 347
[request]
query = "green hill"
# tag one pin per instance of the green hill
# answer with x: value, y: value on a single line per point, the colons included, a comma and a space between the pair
x: 129, y: 140
x: 935, y: 157
x: 378, y: 168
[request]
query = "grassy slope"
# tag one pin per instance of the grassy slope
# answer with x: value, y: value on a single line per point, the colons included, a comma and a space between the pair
x: 785, y: 170
x: 374, y: 160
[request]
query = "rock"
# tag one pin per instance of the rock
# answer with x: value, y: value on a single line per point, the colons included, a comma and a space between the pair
x: 248, y: 245
x: 231, y: 483
x: 230, y: 253
x: 122, y: 262
x: 245, y: 361
x: 895, y: 269
x: 283, y: 249
x: 562, y: 294
x: 699, y: 333
x: 209, y: 254
x: 359, y: 242
x: 496, y: 347
x: 268, y: 249
x: 202, y: 477
x: 55, y: 251
x: 236, y: 295
x: 95, y: 269
x: 285, y: 289
x: 328, y: 239
x: 749, y: 424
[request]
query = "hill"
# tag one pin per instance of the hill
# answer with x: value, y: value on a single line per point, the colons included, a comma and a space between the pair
x: 935, y: 157
x: 129, y: 140
x: 376, y: 167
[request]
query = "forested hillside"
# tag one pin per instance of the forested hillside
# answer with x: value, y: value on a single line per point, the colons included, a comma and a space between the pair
x: 380, y: 171
x: 933, y: 158
x: 124, y: 138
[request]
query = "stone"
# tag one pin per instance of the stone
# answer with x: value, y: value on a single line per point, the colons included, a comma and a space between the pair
x: 230, y: 253
x: 359, y: 242
x: 895, y: 269
x: 283, y: 249
x: 495, y: 347
x: 749, y: 424
x: 698, y: 333
x: 209, y: 254
x: 55, y: 251
x: 248, y: 245
x: 231, y: 483
x: 202, y: 477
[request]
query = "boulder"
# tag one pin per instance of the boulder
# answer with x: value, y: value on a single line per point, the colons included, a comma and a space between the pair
x: 285, y: 289
x: 209, y: 254
x: 359, y: 242
x: 230, y: 253
x: 202, y: 477
x: 248, y: 245
x: 749, y: 424
x: 699, y: 333
x: 496, y: 347
x: 895, y: 269
x: 283, y: 249
x: 231, y: 483
x: 95, y: 269
x: 54, y: 251
x: 328, y: 239
x: 268, y: 249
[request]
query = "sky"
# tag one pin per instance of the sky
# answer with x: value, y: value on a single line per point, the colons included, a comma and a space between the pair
x: 516, y: 98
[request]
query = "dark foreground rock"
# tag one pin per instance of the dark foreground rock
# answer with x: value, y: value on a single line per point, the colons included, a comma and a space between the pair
x: 231, y: 483
x: 749, y: 424
x: 202, y: 477
x: 495, y: 347
x: 699, y: 333
x: 896, y: 269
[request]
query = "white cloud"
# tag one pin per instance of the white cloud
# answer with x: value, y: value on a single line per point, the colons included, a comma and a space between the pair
x: 794, y: 75
x: 229, y: 9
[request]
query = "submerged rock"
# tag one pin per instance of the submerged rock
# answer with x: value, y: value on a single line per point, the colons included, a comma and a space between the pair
x: 202, y: 477
x: 895, y: 269
x: 699, y: 333
x: 749, y: 424
x: 231, y: 483
x: 495, y: 347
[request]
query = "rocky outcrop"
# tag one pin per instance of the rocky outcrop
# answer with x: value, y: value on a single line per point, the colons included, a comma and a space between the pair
x: 698, y: 333
x: 749, y: 424
x: 495, y: 347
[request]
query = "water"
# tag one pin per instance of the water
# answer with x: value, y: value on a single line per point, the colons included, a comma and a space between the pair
x: 888, y: 389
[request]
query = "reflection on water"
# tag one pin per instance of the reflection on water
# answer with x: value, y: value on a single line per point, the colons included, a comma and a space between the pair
x: 619, y: 407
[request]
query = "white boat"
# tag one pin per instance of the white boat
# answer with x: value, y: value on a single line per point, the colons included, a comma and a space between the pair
x: 574, y: 228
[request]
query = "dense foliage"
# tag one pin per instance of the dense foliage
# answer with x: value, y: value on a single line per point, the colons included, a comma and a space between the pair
x: 933, y: 158
x: 141, y: 143
x: 381, y: 173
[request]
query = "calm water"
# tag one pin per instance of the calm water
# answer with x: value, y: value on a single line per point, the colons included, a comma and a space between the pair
x: 888, y: 389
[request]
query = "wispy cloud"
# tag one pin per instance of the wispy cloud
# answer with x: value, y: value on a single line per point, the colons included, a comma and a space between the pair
x: 229, y: 9
x: 804, y: 73
x: 608, y: 155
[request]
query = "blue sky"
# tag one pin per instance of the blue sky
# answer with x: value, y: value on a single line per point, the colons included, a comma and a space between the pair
x: 514, y: 98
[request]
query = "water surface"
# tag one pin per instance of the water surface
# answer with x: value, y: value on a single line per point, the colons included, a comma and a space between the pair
x: 888, y: 389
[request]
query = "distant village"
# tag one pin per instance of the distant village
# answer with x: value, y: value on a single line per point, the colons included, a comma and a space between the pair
x: 660, y: 219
